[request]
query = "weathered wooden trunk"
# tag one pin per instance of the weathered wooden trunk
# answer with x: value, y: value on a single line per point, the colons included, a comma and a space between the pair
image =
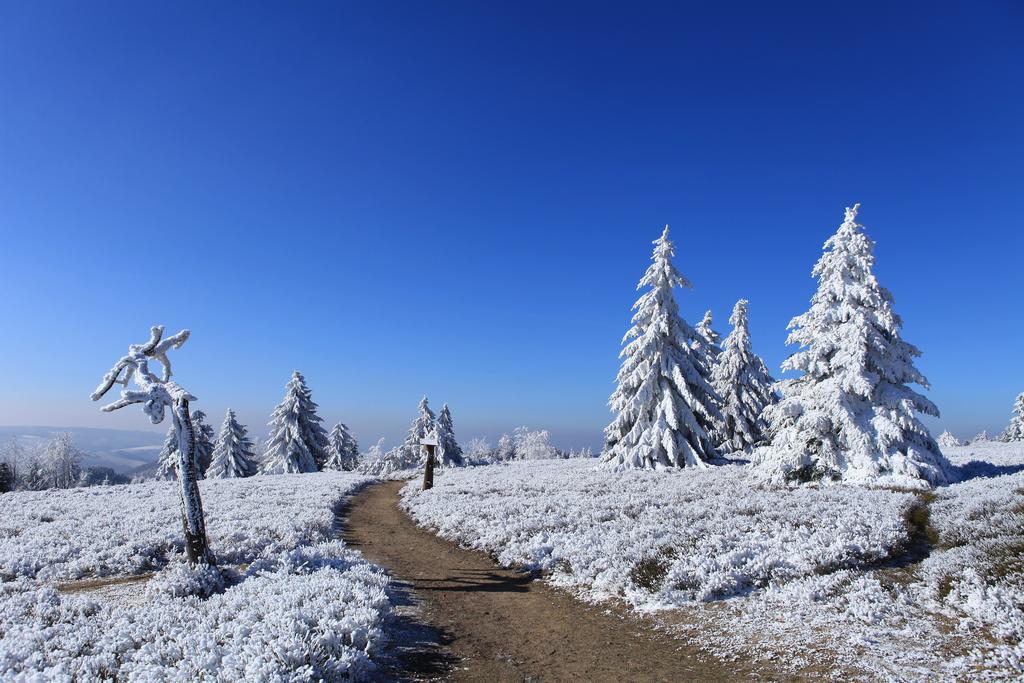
x: 192, y: 520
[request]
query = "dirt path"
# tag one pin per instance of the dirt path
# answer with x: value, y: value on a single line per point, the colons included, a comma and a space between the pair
x: 492, y: 624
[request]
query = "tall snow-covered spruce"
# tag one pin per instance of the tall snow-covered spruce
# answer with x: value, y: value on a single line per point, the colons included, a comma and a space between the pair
x: 233, y: 455
x: 449, y: 453
x: 744, y: 385
x: 297, y: 441
x: 1015, y: 430
x: 343, y: 452
x: 851, y: 415
x: 665, y: 409
x: 204, y: 442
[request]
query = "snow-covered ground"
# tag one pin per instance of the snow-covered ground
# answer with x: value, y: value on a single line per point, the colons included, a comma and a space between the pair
x: 299, y: 606
x: 880, y: 583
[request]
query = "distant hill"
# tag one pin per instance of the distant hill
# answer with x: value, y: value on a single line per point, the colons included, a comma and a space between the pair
x: 122, y: 450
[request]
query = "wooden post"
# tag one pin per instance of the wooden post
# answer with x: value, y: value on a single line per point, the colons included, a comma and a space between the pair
x: 430, y: 443
x: 428, y: 471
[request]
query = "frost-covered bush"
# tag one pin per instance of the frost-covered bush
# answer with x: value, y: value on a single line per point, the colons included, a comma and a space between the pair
x: 180, y: 579
x: 889, y: 584
x: 305, y: 608
x: 659, y: 539
x: 111, y: 530
x: 307, y: 615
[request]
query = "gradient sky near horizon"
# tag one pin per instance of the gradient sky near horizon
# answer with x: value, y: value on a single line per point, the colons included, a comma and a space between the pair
x: 458, y: 198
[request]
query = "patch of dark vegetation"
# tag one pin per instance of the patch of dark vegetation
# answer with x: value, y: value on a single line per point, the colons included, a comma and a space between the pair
x: 808, y: 474
x: 649, y: 573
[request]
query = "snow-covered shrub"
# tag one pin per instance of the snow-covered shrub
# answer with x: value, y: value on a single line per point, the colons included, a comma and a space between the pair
x: 592, y: 528
x: 306, y: 608
x: 310, y: 616
x: 71, y: 534
x: 181, y: 579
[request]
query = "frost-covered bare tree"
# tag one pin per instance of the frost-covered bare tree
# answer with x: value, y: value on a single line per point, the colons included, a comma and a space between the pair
x: 1015, y: 430
x: 157, y: 394
x: 62, y: 461
x: 343, y: 449
x: 666, y: 410
x: 449, y: 453
x: 744, y: 385
x: 233, y: 454
x: 297, y: 441
x: 851, y: 414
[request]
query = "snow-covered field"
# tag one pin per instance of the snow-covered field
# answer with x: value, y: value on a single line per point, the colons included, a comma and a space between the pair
x: 879, y: 583
x: 299, y: 606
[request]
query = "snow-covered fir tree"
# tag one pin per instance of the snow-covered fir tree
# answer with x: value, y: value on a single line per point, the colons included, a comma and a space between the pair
x: 449, y: 453
x: 948, y: 440
x: 1015, y: 430
x: 851, y: 414
x: 297, y: 441
x: 233, y: 455
x: 343, y: 451
x: 204, y: 442
x: 411, y: 453
x: 707, y: 343
x: 981, y: 437
x: 203, y: 435
x: 744, y: 385
x: 165, y: 468
x: 665, y: 408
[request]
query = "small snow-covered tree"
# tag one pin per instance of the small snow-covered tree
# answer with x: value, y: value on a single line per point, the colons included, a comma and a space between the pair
x: 411, y: 453
x: 233, y: 454
x: 665, y: 408
x: 981, y: 437
x: 449, y: 453
x: 156, y: 394
x: 343, y: 451
x: 744, y: 385
x: 297, y: 442
x: 1015, y: 430
x: 948, y: 440
x: 62, y: 461
x: 533, y: 445
x: 851, y: 414
x: 204, y: 442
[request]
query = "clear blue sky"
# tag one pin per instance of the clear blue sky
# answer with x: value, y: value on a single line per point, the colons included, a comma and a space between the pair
x: 458, y: 198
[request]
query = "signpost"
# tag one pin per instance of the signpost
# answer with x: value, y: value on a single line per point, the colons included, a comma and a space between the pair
x: 430, y: 443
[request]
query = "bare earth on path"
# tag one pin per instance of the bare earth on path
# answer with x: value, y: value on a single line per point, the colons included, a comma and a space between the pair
x: 487, y: 623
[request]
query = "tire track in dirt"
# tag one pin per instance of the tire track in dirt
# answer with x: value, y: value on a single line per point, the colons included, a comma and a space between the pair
x: 475, y: 621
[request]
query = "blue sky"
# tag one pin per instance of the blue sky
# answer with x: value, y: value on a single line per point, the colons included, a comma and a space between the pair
x: 458, y: 198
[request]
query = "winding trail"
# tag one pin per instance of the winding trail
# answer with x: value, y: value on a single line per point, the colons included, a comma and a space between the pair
x: 466, y: 619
